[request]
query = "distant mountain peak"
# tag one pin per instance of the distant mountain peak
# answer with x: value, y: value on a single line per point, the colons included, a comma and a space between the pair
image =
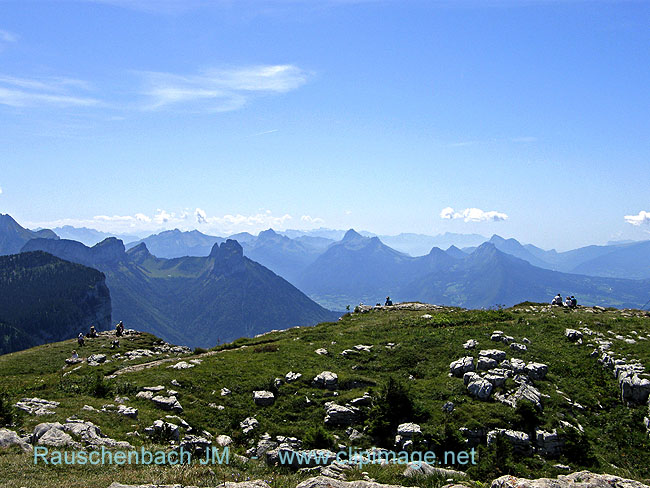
x: 228, y: 249
x: 267, y: 234
x: 351, y: 234
x: 139, y: 249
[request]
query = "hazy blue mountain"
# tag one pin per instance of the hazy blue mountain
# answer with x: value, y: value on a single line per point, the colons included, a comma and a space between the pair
x: 13, y: 236
x: 622, y: 260
x: 420, y: 244
x: 282, y: 255
x: 333, y: 234
x: 243, y: 237
x: 176, y: 244
x: 631, y: 260
x: 89, y: 237
x: 46, y: 299
x: 192, y: 300
x: 490, y: 277
x: 454, y: 252
x: 363, y: 269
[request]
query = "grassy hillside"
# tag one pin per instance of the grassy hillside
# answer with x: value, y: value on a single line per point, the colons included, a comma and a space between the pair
x: 405, y: 372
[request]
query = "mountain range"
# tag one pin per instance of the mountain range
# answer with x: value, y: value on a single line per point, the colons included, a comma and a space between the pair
x: 191, y: 288
x: 197, y: 301
x: 363, y: 269
x: 13, y: 236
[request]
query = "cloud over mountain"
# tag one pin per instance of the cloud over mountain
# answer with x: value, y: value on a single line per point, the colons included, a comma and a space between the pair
x: 642, y: 217
x: 473, y: 215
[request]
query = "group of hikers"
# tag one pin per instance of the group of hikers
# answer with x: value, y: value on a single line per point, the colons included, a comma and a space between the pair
x: 91, y: 334
x: 569, y: 302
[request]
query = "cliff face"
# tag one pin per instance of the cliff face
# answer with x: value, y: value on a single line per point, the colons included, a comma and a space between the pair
x: 45, y: 299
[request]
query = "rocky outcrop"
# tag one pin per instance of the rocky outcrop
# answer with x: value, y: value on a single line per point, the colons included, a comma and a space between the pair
x: 10, y: 438
x: 326, y: 379
x: 580, y: 479
x: 326, y: 482
x: 461, y: 366
x: 339, y: 415
x: 263, y: 398
x: 37, y: 406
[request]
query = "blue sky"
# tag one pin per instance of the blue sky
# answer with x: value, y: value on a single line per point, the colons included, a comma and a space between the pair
x: 524, y: 118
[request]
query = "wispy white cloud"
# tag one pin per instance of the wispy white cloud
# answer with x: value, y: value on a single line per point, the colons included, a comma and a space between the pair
x: 472, y: 215
x: 143, y: 223
x: 0, y: 190
x: 265, y: 132
x: 6, y: 37
x: 642, y: 217
x: 311, y: 220
x: 53, y: 91
x: 220, y: 90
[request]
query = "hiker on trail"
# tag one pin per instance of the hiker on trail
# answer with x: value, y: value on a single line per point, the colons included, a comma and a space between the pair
x: 80, y: 339
x: 389, y: 302
x: 557, y: 300
x: 119, y: 329
x: 574, y: 302
x: 92, y: 332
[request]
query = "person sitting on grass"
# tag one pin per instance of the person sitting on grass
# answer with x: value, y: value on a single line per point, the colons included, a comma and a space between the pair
x: 557, y: 300
x: 92, y: 333
x: 389, y: 302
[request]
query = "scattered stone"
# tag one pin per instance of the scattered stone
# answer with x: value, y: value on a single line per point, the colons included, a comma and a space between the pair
x: 518, y: 347
x: 195, y: 444
x: 573, y: 335
x: 249, y: 424
x: 154, y: 389
x: 321, y: 351
x: 477, y: 386
x: 167, y: 403
x: 163, y: 430
x: 263, y: 398
x: 339, y: 415
x: 325, y: 482
x: 461, y: 366
x: 486, y: 363
x: 144, y: 395
x: 470, y: 344
x: 326, y: 379
x: 495, y: 354
x: 416, y: 469
x: 10, y: 438
x: 406, y: 433
x: 37, y: 406
x: 364, y: 401
x: 290, y: 377
x: 96, y: 359
x: 520, y: 440
x: 536, y: 371
x: 175, y: 383
x: 225, y: 391
x: 525, y: 391
x: 223, y: 440
x: 181, y: 365
x: 580, y: 479
x: 448, y: 407
x: 548, y: 443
